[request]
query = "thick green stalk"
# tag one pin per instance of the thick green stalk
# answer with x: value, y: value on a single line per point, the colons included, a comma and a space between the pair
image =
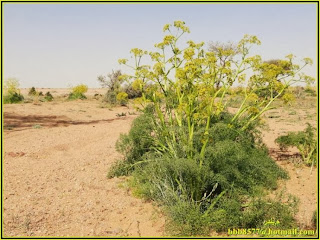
x: 241, y: 108
x: 206, y: 133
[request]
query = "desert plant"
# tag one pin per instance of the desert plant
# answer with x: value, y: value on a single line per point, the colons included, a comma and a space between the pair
x: 12, y: 92
x: 115, y: 93
x: 192, y: 195
x: 80, y: 89
x: 110, y: 98
x: 11, y: 85
x: 187, y: 82
x: 113, y: 83
x: 78, y: 92
x: 310, y: 91
x: 48, y: 97
x: 13, y: 98
x: 122, y: 98
x: 132, y: 92
x: 305, y: 141
x: 186, y: 152
x: 32, y: 92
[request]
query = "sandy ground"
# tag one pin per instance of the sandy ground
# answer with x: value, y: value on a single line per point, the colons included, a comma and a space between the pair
x: 55, y: 180
x: 57, y: 155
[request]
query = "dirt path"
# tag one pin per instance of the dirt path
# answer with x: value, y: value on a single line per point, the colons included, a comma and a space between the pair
x: 55, y: 179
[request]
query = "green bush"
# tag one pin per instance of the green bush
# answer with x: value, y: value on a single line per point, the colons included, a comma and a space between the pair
x: 185, y: 220
x: 78, y: 92
x: 74, y: 96
x: 32, y: 92
x: 139, y: 140
x: 13, y: 98
x: 122, y: 98
x: 199, y: 198
x: 305, y: 141
x: 311, y: 92
x: 48, y: 97
x: 80, y: 89
x: 110, y: 98
x: 11, y: 91
x: 11, y: 86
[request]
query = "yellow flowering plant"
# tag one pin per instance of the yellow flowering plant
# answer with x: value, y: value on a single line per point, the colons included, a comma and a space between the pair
x: 189, y: 85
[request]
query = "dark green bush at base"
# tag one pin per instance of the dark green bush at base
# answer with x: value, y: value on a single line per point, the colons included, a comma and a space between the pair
x: 32, y: 92
x: 227, y: 191
x: 73, y: 96
x: 13, y: 98
x: 48, y: 97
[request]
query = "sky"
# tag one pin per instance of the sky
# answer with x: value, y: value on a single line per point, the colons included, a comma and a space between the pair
x: 62, y: 45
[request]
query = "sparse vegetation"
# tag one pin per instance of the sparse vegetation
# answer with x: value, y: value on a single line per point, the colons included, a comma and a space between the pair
x: 310, y: 91
x: 122, y: 98
x: 32, y: 92
x: 123, y: 114
x: 110, y: 98
x: 113, y: 83
x: 48, y: 97
x: 11, y: 91
x: 315, y: 219
x: 132, y: 92
x: 305, y: 141
x: 118, y: 93
x: 78, y: 92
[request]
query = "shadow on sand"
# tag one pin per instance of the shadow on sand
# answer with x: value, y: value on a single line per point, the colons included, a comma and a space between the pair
x: 16, y: 122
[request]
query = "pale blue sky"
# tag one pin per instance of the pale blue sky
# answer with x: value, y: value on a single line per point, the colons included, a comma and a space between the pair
x: 61, y: 45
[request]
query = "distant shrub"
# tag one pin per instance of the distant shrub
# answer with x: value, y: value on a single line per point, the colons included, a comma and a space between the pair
x: 97, y: 96
x: 132, y: 92
x: 110, y: 98
x: 113, y: 83
x: 122, y: 98
x: 73, y: 96
x: 32, y: 92
x: 78, y: 92
x: 13, y: 98
x: 297, y: 91
x: 12, y: 92
x: 48, y: 97
x: 305, y: 141
x: 11, y: 86
x: 311, y: 92
x: 80, y: 89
